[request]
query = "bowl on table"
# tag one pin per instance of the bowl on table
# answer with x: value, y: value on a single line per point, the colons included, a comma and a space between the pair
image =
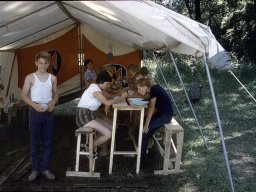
x: 135, y: 99
x: 140, y: 102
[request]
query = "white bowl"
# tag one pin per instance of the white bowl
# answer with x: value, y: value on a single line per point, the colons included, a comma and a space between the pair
x: 135, y: 99
x: 139, y: 102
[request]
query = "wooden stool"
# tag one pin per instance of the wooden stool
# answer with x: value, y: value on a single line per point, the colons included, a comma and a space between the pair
x: 88, y: 132
x: 170, y: 128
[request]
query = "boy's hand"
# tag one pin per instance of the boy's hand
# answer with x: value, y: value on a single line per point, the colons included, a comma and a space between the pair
x: 106, y: 109
x: 145, y: 129
x: 124, y: 95
x: 51, y: 106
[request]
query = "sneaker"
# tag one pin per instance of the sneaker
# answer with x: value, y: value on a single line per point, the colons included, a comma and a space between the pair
x: 48, y: 175
x: 95, y: 155
x: 33, y: 176
x: 84, y: 147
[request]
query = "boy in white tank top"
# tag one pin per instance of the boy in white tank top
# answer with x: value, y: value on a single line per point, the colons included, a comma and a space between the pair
x: 40, y: 93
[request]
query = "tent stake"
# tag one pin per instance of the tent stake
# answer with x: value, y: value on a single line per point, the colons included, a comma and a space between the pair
x: 219, y: 123
x: 199, y: 127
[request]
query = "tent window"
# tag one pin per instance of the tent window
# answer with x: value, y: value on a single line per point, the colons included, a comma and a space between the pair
x: 80, y: 59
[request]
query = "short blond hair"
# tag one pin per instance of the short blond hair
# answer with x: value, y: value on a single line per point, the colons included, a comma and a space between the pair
x: 44, y: 55
x: 143, y: 82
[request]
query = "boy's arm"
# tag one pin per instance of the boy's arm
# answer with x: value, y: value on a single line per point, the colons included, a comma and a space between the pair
x: 25, y: 91
x: 55, y: 94
x: 151, y: 110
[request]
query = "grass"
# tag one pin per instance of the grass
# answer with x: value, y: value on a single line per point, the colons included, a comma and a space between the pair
x: 205, y: 169
x: 238, y: 119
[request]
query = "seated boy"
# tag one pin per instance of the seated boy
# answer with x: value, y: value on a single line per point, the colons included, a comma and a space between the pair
x: 160, y: 111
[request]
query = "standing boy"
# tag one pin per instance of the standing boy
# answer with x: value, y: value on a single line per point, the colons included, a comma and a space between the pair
x: 40, y: 93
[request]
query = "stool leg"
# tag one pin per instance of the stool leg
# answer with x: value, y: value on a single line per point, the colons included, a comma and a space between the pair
x: 168, y: 136
x: 91, y: 167
x: 78, y: 151
x: 180, y: 136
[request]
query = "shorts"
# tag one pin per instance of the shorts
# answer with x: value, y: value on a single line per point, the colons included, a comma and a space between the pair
x: 84, y: 116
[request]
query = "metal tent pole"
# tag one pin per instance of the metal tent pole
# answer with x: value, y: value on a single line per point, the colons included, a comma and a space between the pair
x: 168, y: 88
x: 219, y: 123
x: 144, y: 57
x: 199, y: 127
x: 242, y: 85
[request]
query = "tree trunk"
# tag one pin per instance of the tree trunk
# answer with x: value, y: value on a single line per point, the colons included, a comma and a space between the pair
x: 197, y: 11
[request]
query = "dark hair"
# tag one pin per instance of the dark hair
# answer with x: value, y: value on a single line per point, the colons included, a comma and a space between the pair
x: 144, y: 71
x: 103, y: 77
x: 143, y: 82
x: 87, y: 61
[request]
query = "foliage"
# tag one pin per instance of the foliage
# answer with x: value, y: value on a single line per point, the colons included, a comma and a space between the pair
x: 233, y: 22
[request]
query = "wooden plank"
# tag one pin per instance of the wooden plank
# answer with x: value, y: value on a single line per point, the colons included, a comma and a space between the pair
x: 113, y: 141
x: 125, y: 153
x: 172, y: 171
x: 125, y: 184
x: 167, y: 149
x: 180, y: 137
x: 82, y: 174
x: 159, y: 146
x: 140, y: 140
x: 78, y: 151
x: 7, y: 175
x: 174, y: 126
x: 4, y: 163
x: 20, y: 173
x: 15, y: 151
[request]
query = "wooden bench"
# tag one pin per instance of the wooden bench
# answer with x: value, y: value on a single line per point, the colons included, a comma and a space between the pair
x: 89, y: 133
x: 171, y: 128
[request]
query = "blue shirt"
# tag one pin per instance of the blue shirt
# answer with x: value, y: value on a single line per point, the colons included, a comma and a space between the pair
x: 163, y: 100
x: 89, y: 76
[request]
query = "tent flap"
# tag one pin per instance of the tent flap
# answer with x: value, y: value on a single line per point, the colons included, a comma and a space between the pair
x: 221, y: 60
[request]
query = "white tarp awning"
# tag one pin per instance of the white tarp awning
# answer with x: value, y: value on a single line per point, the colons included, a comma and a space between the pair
x: 139, y: 24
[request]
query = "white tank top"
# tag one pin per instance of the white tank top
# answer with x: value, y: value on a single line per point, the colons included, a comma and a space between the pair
x: 41, y: 92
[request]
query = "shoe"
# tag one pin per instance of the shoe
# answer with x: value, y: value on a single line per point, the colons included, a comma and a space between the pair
x: 95, y: 155
x: 48, y: 175
x: 84, y: 147
x: 33, y: 176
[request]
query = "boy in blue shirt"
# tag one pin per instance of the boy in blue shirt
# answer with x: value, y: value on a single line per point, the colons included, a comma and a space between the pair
x: 160, y: 111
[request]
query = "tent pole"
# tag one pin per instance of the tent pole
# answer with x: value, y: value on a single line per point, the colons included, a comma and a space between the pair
x: 168, y: 88
x: 199, y: 127
x: 81, y: 56
x: 219, y: 123
x: 242, y: 85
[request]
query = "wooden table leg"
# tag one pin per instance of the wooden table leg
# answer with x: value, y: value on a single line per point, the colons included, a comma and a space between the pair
x: 113, y: 141
x: 140, y: 141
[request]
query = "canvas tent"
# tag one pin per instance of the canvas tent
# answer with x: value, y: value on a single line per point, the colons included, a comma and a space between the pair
x: 122, y: 26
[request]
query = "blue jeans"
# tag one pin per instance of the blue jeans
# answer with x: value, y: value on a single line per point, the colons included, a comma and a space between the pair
x: 155, y: 124
x: 40, y: 127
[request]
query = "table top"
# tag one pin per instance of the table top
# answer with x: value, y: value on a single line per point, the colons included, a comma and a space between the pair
x: 125, y: 105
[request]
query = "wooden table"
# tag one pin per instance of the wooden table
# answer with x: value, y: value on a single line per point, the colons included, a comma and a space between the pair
x: 124, y: 106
